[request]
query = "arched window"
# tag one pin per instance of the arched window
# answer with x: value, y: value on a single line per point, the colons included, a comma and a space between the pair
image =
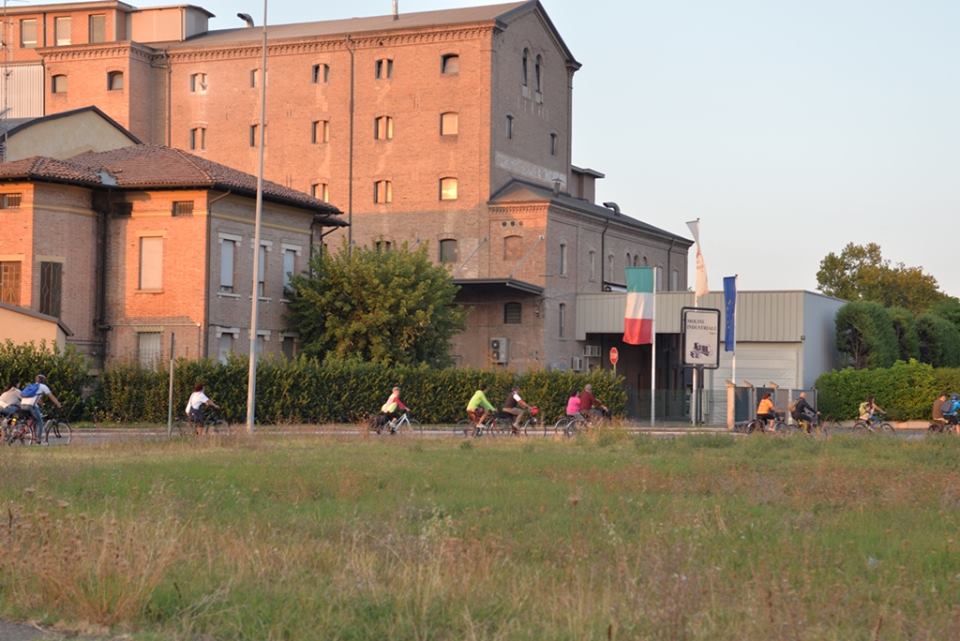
x: 593, y: 265
x: 627, y: 263
x: 58, y: 84
x: 512, y: 247
x: 636, y: 260
x: 537, y: 69
x: 115, y: 81
x: 383, y: 128
x: 448, y: 250
x: 449, y: 188
x: 512, y: 313
x: 563, y: 259
x: 526, y: 63
x: 382, y: 192
x: 320, y: 74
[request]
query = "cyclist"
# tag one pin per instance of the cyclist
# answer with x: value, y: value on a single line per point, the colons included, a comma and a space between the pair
x: 574, y: 405
x: 515, y: 405
x: 195, y: 404
x: 31, y: 397
x: 475, y: 408
x: 590, y: 405
x: 868, y: 409
x: 10, y: 401
x: 388, y: 411
x: 952, y: 413
x: 803, y: 413
x: 765, y: 409
x: 941, y: 406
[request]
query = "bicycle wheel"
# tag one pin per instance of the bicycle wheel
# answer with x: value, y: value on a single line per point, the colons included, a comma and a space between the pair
x: 886, y: 428
x: 219, y: 426
x: 861, y: 427
x: 463, y: 427
x: 753, y: 426
x: 414, y: 424
x: 782, y: 427
x: 573, y: 427
x: 57, y: 432
x: 560, y: 427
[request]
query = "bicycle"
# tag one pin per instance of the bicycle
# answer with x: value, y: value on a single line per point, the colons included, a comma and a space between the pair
x: 873, y: 425
x: 19, y: 428
x: 396, y: 425
x: 213, y: 421
x: 763, y: 425
x: 570, y: 426
x: 57, y: 431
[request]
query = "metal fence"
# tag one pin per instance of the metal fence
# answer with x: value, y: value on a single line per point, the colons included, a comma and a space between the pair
x: 673, y: 406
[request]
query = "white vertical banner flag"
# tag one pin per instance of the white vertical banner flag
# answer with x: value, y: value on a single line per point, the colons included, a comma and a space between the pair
x: 701, y: 288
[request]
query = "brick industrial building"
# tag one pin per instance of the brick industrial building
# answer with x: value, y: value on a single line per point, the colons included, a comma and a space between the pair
x: 130, y: 246
x: 447, y: 128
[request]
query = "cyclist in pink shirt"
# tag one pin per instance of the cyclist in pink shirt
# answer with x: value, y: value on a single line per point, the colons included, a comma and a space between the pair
x: 573, y: 405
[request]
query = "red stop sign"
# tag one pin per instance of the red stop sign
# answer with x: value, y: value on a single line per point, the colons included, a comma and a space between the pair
x: 614, y: 355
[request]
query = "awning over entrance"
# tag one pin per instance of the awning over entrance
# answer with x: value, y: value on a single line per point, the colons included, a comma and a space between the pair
x: 497, y: 286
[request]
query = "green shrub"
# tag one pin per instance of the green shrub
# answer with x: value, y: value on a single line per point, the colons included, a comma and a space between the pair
x: 66, y: 373
x: 309, y: 391
x: 939, y: 341
x: 865, y: 335
x: 906, y: 390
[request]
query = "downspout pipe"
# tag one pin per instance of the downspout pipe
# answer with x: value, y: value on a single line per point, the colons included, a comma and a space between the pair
x: 350, y: 49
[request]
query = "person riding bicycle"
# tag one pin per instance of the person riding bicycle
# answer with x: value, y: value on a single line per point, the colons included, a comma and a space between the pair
x: 574, y: 406
x: 478, y: 403
x: 515, y: 405
x: 765, y: 409
x: 590, y: 405
x: 804, y: 413
x: 941, y: 406
x: 868, y: 409
x: 952, y: 411
x: 10, y: 401
x: 31, y: 398
x: 389, y: 410
x: 195, y: 405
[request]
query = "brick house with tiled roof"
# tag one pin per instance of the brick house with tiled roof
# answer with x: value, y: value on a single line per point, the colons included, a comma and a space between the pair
x: 450, y: 129
x: 130, y: 246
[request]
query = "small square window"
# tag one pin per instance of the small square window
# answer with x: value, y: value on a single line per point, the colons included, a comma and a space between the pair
x: 382, y: 192
x: 449, y: 188
x: 450, y: 64
x: 320, y: 131
x: 198, y: 83
x: 10, y: 201
x: 58, y: 84
x: 115, y: 81
x: 198, y: 138
x: 183, y: 208
x: 320, y: 191
x: 448, y: 250
x: 449, y: 123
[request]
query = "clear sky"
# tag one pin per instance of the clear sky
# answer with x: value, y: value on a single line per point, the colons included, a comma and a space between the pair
x: 789, y: 127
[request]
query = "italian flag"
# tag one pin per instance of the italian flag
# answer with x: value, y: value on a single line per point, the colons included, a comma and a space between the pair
x: 638, y: 319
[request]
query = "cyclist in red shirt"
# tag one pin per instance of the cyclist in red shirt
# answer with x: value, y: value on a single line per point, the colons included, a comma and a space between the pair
x: 590, y: 405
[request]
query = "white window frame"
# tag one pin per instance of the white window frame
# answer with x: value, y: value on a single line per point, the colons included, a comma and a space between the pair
x: 150, y: 284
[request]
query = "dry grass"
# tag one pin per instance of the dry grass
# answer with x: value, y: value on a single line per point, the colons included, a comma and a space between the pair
x: 602, y: 538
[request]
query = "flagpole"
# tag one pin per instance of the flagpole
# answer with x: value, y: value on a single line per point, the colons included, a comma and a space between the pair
x: 653, y: 354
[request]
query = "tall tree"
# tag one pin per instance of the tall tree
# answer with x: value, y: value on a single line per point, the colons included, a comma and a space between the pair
x: 392, y: 307
x: 860, y: 273
x: 865, y: 335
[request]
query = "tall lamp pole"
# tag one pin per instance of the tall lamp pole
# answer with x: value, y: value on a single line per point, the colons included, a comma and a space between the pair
x: 255, y: 294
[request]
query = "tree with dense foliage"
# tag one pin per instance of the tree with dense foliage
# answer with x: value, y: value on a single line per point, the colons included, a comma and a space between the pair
x: 390, y: 307
x: 865, y: 335
x: 860, y: 273
x: 939, y: 341
x: 905, y: 329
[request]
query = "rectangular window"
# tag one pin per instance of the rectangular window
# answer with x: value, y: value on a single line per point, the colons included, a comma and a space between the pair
x: 98, y: 29
x: 448, y: 250
x: 198, y: 138
x: 384, y: 69
x: 58, y: 84
x: 289, y: 347
x: 10, y: 201
x: 255, y: 135
x: 449, y: 188
x: 262, y: 271
x: 115, y: 81
x: 509, y: 127
x: 61, y: 31
x: 674, y: 280
x: 553, y: 144
x: 10, y: 282
x: 320, y: 74
x: 383, y: 192
x: 224, y: 347
x: 562, y: 319
x: 320, y: 131
x: 228, y: 249
x: 151, y: 263
x: 183, y: 208
x: 253, y: 77
x: 593, y: 265
x: 320, y: 191
x: 149, y: 350
x: 289, y: 268
x: 449, y: 124
x: 383, y: 128
x: 659, y: 273
x: 563, y: 259
x: 51, y: 288
x: 198, y: 83
x: 450, y: 64
x: 28, y: 33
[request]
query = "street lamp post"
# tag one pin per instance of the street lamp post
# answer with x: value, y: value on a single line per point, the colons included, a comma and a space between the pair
x: 254, y: 293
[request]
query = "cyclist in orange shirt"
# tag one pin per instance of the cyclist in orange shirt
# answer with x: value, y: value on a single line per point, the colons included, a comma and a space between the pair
x: 766, y: 410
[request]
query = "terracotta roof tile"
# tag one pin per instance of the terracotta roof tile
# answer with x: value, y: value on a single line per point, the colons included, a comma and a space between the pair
x: 157, y: 167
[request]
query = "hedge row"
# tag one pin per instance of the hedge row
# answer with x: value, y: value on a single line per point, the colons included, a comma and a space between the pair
x: 299, y: 391
x: 906, y: 390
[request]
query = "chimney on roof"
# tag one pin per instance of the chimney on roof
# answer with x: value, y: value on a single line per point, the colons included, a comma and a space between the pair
x: 396, y: 9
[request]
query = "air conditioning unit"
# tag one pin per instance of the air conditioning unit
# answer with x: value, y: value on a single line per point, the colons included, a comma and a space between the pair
x: 499, y: 350
x: 576, y: 363
x: 591, y: 351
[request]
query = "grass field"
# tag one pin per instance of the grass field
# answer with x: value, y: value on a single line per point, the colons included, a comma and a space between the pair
x: 613, y: 538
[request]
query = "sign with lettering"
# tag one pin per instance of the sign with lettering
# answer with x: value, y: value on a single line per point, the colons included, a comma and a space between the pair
x: 701, y: 337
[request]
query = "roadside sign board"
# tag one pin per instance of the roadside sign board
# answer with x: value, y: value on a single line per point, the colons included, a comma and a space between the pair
x: 701, y: 337
x: 614, y: 355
